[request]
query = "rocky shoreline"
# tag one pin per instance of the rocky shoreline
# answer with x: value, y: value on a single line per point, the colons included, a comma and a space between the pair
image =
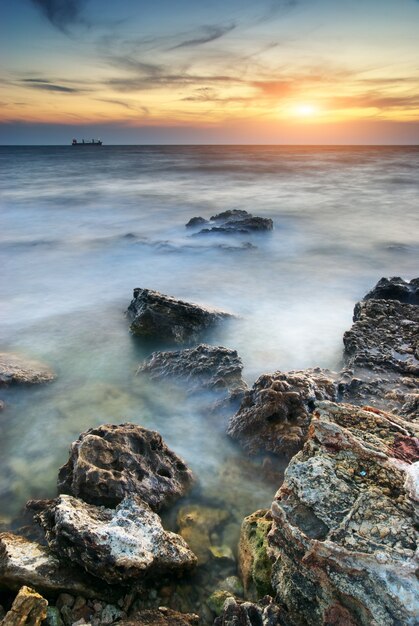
x: 338, y: 545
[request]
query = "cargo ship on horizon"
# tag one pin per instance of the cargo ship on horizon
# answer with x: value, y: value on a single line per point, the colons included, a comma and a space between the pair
x: 92, y: 142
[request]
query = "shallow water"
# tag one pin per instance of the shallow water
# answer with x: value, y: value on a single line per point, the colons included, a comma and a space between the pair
x: 80, y: 229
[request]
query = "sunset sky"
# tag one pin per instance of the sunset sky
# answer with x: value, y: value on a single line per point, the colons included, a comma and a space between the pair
x: 221, y: 71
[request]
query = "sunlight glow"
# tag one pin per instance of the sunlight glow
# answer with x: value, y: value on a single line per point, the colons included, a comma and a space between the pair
x: 305, y: 110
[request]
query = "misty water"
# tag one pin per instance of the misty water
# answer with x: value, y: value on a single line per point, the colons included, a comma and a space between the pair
x: 80, y: 228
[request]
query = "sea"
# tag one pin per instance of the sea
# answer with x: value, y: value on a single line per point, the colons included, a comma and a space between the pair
x: 80, y: 228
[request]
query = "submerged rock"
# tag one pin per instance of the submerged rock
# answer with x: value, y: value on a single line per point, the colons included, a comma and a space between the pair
x: 395, y: 288
x: 28, y: 608
x: 16, y: 369
x: 24, y: 562
x: 115, y: 545
x: 110, y: 462
x: 196, y: 523
x: 254, y: 563
x: 233, y: 221
x: 274, y: 415
x: 343, y: 538
x: 155, y: 315
x: 203, y: 367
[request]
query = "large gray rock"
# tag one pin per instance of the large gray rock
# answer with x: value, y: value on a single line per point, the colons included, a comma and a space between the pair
x: 382, y: 354
x: 203, y: 367
x: 24, y: 562
x: 264, y: 613
x: 110, y: 462
x: 115, y: 545
x: 157, y: 316
x: 274, y: 415
x: 231, y: 222
x: 17, y: 369
x: 344, y: 536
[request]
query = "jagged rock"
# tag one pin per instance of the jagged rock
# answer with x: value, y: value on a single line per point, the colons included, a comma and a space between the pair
x: 382, y: 356
x: 203, y: 367
x: 385, y: 336
x: 16, y: 369
x: 26, y: 562
x: 254, y: 563
x: 395, y: 288
x: 232, y: 222
x: 161, y: 617
x: 196, y: 221
x: 196, y: 523
x: 343, y: 537
x: 265, y: 613
x: 109, y: 462
x: 115, y: 545
x: 28, y: 608
x: 154, y: 315
x: 274, y: 415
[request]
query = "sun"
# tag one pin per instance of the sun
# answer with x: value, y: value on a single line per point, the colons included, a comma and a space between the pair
x: 305, y: 110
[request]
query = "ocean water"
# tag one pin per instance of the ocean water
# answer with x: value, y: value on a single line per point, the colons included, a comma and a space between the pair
x: 80, y: 228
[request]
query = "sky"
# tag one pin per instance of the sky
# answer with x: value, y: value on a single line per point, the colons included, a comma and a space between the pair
x: 219, y: 71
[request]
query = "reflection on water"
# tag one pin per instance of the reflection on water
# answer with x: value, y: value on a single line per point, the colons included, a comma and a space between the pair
x: 79, y: 231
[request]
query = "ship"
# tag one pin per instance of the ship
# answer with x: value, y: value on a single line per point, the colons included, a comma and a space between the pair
x: 92, y: 142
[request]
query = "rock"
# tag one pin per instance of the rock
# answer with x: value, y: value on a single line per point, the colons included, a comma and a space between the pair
x: 109, y: 462
x: 343, y: 536
x: 1, y: 405
x: 161, y: 617
x: 115, y: 545
x: 254, y: 563
x: 28, y: 608
x: 382, y: 356
x: 395, y: 288
x: 265, y: 613
x: 234, y: 221
x: 384, y: 337
x: 217, y: 600
x: 154, y: 315
x: 196, y: 523
x: 203, y: 367
x: 16, y: 369
x: 196, y: 221
x: 274, y: 415
x: 26, y: 562
x: 53, y: 617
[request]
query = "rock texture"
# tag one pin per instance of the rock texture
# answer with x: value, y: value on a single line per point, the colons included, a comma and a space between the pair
x: 254, y: 563
x: 161, y: 617
x: 235, y: 221
x: 344, y: 534
x: 154, y: 315
x: 28, y: 608
x: 382, y: 349
x: 203, y: 367
x: 274, y: 415
x: 115, y: 545
x: 395, y: 288
x: 265, y: 613
x: 110, y: 462
x: 16, y: 369
x: 24, y: 562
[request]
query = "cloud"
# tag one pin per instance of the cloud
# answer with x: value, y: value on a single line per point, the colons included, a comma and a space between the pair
x: 126, y: 105
x: 62, y: 13
x: 209, y: 33
x: 38, y: 83
x: 274, y: 88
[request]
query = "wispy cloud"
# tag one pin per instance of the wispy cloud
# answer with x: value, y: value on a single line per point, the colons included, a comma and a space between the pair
x: 62, y: 13
x: 38, y: 83
x: 208, y: 34
x: 125, y: 105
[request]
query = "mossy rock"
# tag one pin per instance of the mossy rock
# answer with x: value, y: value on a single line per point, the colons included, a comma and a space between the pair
x: 254, y: 564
